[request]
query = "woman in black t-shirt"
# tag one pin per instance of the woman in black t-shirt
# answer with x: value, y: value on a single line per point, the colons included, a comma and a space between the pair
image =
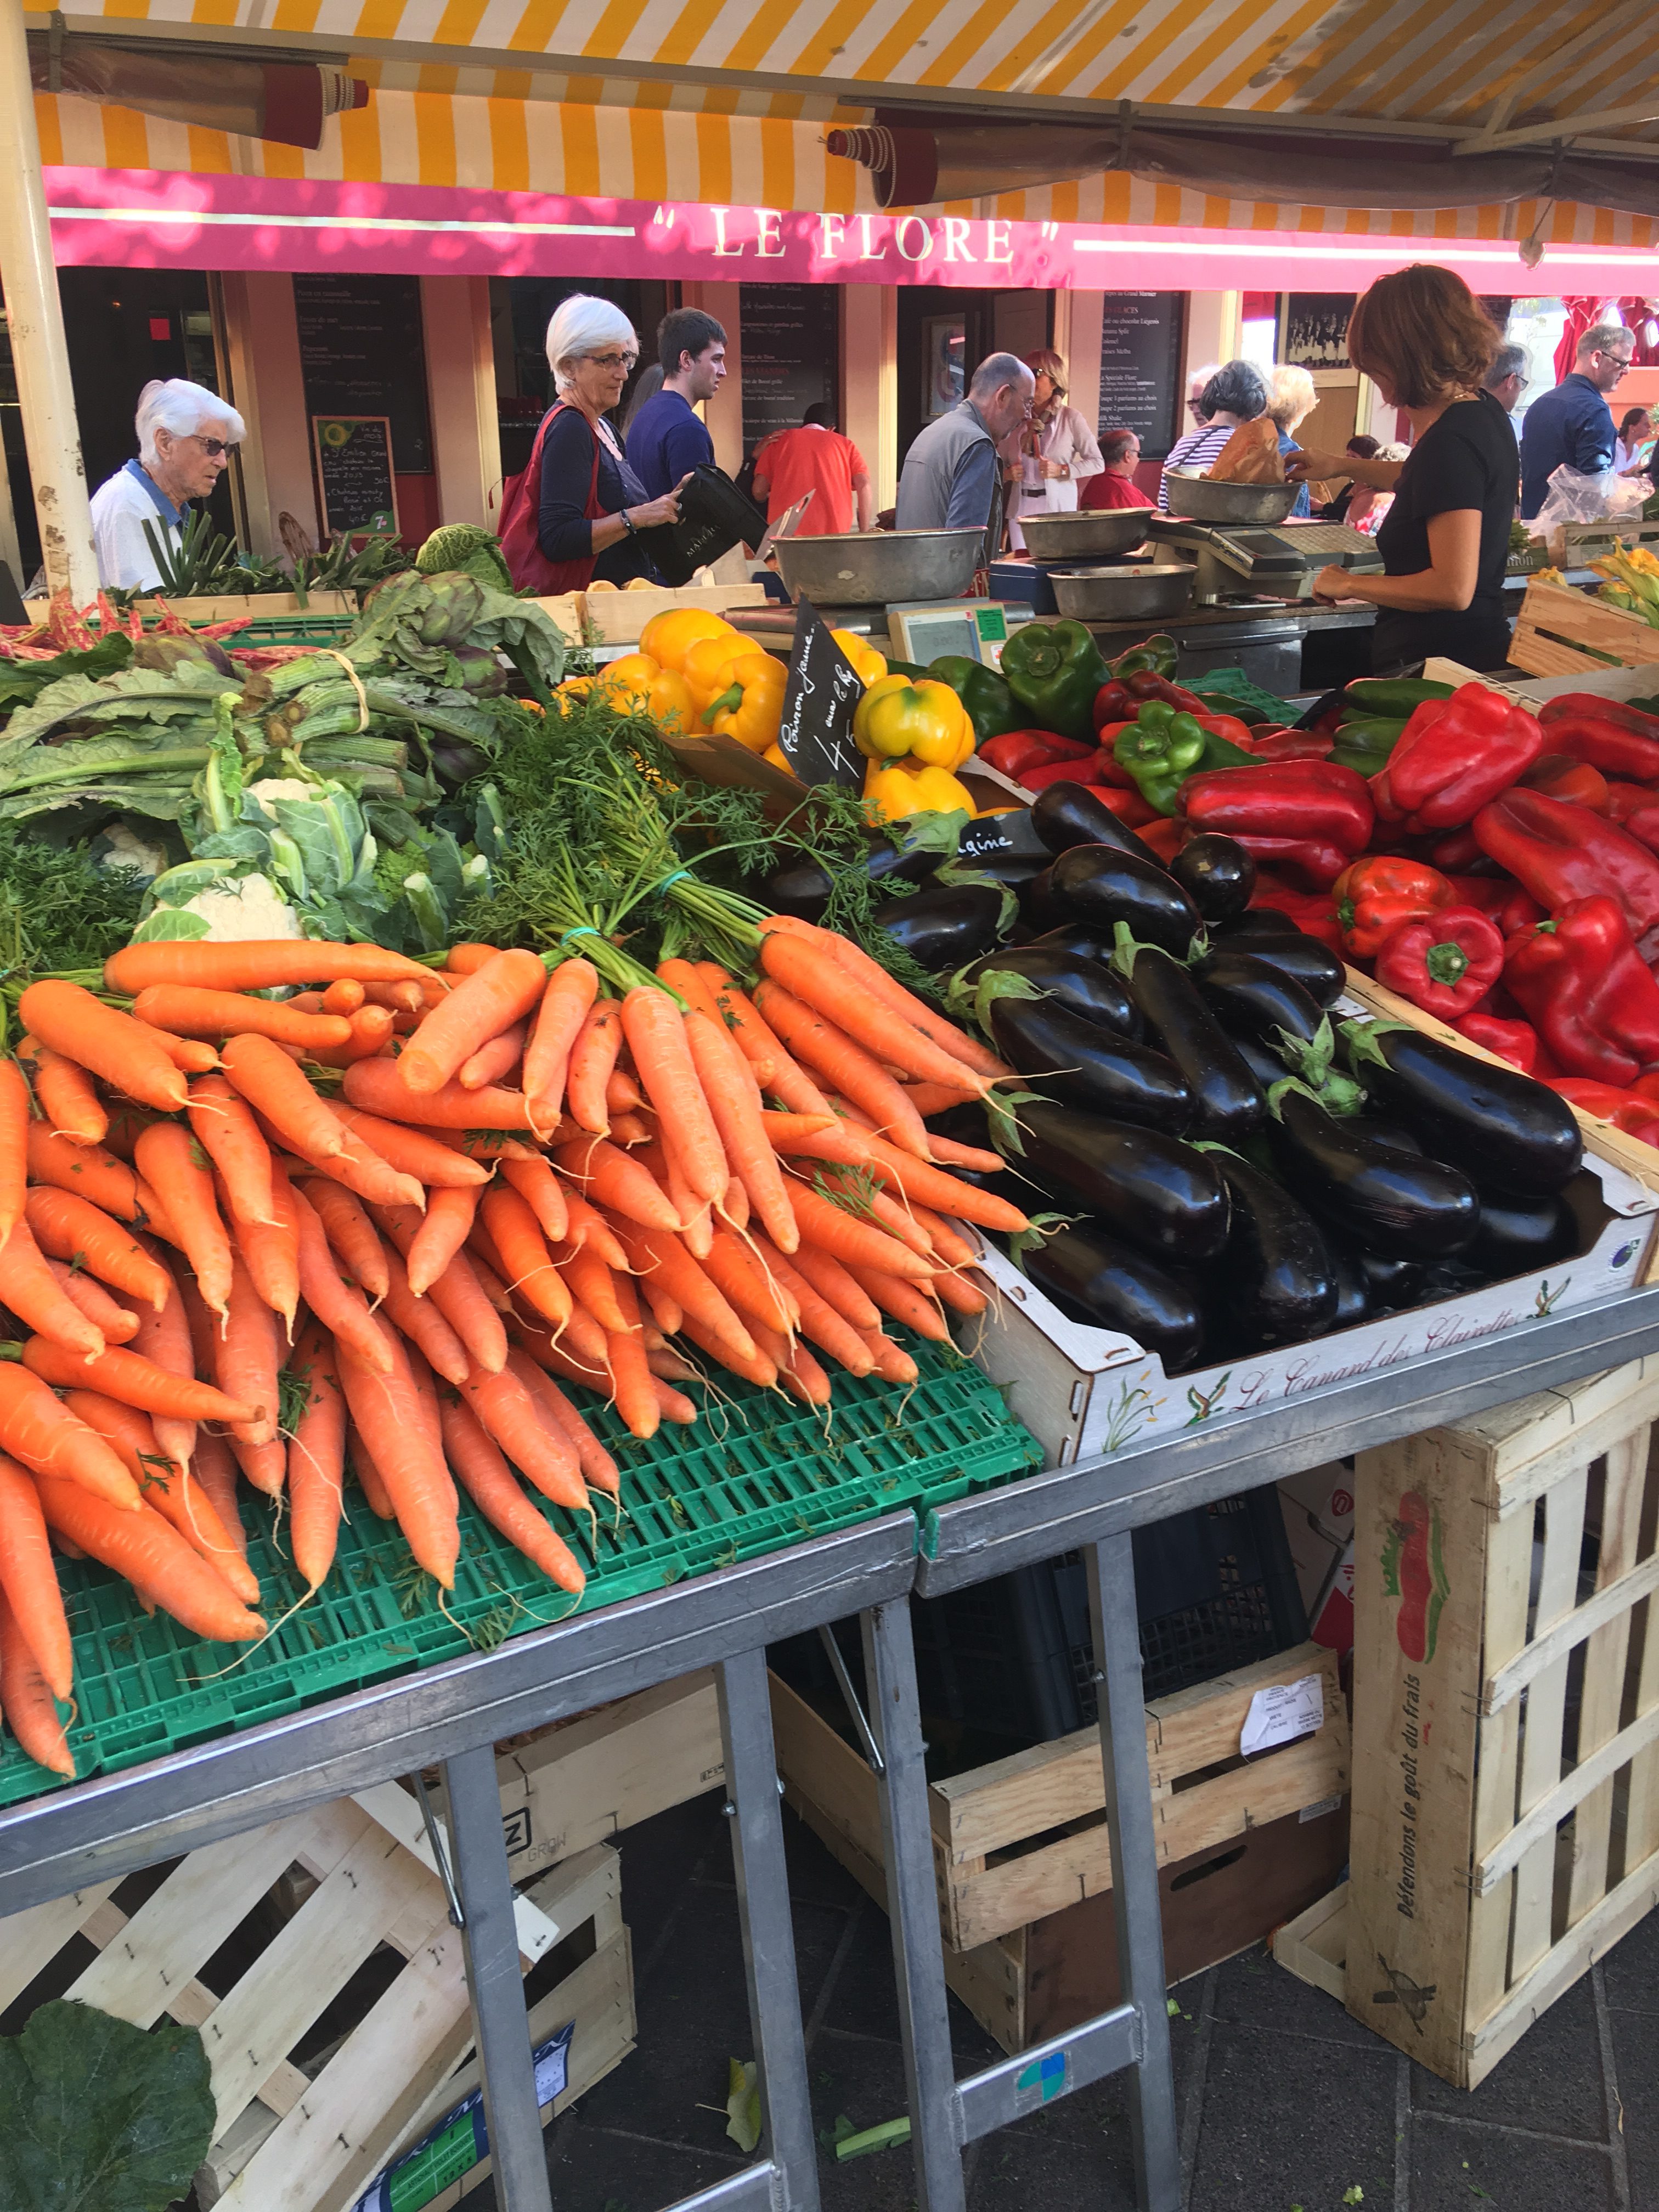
x: 1421, y: 337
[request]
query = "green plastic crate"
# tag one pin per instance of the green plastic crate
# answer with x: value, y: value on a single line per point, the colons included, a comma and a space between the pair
x: 756, y: 1475
x: 295, y: 629
x: 1234, y: 683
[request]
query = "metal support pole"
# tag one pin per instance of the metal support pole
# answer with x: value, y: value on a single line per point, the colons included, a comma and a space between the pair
x: 1135, y: 1869
x: 494, y: 1981
x: 768, y: 1933
x: 889, y: 1666
x: 34, y: 320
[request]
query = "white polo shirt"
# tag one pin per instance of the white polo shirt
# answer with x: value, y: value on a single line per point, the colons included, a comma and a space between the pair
x: 121, y: 508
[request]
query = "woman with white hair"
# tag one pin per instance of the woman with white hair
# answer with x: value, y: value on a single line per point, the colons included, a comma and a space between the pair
x: 589, y: 505
x: 186, y: 435
x: 1293, y: 399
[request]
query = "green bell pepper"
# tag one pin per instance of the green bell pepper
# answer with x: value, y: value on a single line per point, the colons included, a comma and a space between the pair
x: 992, y: 707
x: 1053, y: 670
x: 1154, y: 656
x: 1160, y: 749
x: 1365, y: 743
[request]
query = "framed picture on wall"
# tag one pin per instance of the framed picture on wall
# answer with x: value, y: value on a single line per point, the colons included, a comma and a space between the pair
x: 944, y: 357
x: 1316, y: 328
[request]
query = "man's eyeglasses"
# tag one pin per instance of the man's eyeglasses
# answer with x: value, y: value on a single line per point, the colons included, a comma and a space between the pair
x: 214, y: 446
x: 1193, y: 407
x: 614, y: 361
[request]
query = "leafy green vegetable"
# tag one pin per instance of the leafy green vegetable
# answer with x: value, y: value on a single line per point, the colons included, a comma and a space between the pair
x: 99, y: 2116
x: 21, y: 681
x: 59, y: 911
x: 467, y: 546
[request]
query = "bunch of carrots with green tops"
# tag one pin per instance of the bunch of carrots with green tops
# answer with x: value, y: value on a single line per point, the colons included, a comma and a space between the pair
x: 404, y: 1221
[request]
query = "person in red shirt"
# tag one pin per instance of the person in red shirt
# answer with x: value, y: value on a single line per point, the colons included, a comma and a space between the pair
x: 1115, y: 485
x: 816, y: 457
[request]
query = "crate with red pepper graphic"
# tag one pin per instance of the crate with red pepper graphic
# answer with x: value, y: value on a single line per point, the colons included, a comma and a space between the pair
x: 1505, y: 1810
x: 1560, y: 631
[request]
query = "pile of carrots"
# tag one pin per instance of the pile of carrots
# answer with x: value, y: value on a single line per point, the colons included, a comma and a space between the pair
x: 388, y: 1220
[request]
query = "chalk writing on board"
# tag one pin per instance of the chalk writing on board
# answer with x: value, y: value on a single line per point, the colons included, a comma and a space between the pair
x: 819, y: 701
x: 355, y: 478
x: 790, y: 346
x: 1140, y: 336
x: 362, y: 352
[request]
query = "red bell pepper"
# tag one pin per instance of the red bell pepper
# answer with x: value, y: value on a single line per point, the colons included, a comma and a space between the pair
x: 1129, y: 806
x: 1588, y: 992
x: 1453, y: 853
x: 1445, y: 962
x: 1500, y: 899
x: 1311, y: 912
x: 1563, y: 853
x: 1042, y: 773
x: 1303, y: 801
x: 1567, y: 706
x: 1122, y: 698
x: 1559, y: 775
x: 1290, y: 744
x: 1515, y: 1042
x: 1374, y: 897
x: 1165, y: 837
x: 1630, y: 1110
x: 1453, y: 757
x: 1624, y: 799
x: 1617, y: 739
x: 1226, y: 726
x: 1015, y: 750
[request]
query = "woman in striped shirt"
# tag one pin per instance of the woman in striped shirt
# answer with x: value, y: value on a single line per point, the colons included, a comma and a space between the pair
x: 1236, y: 394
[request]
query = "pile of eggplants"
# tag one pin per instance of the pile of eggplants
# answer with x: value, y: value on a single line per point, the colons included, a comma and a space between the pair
x: 1240, y: 1172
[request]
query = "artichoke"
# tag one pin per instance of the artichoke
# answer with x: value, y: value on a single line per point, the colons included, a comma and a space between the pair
x: 467, y: 547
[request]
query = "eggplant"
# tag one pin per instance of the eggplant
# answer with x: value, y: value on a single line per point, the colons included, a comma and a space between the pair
x: 1397, y: 1206
x: 1095, y: 1279
x: 1353, y: 1298
x: 1302, y: 958
x: 1391, y: 1285
x: 1507, y: 1132
x: 1079, y: 937
x: 1082, y: 987
x: 1255, y: 921
x: 940, y: 929
x: 1253, y: 999
x: 1069, y: 814
x: 1230, y: 1101
x: 1217, y: 874
x: 1091, y: 1066
x: 1263, y: 1062
x: 1278, y: 1284
x: 1385, y: 1133
x: 1518, y: 1235
x: 1164, y: 1197
x: 802, y: 888
x: 1092, y: 884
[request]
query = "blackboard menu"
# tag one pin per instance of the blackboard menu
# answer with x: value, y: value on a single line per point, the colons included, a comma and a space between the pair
x: 791, y: 345
x: 355, y: 472
x: 823, y: 693
x: 1141, y: 335
x: 361, y: 353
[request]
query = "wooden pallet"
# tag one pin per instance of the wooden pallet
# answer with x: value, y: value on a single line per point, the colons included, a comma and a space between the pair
x: 354, y: 1877
x: 1504, y: 1835
x: 1315, y: 1945
x: 1560, y: 632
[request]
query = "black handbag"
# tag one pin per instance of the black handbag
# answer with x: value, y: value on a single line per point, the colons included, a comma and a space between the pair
x: 715, y: 516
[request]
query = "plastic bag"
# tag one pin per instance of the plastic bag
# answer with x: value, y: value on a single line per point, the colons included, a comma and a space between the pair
x: 1577, y: 496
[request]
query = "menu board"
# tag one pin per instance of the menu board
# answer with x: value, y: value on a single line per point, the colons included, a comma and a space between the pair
x: 354, y: 473
x: 790, y: 346
x: 1141, y: 335
x: 816, y: 730
x: 361, y: 353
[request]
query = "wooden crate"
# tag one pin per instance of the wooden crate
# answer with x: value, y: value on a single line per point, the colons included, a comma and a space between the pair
x: 1560, y: 631
x: 289, y: 2138
x: 617, y: 617
x: 1581, y: 542
x: 1314, y: 1946
x: 1506, y: 1800
x: 230, y: 605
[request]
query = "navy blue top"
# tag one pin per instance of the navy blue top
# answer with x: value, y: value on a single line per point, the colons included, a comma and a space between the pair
x: 563, y: 527
x: 664, y: 441
x: 1301, y: 504
x: 1574, y: 424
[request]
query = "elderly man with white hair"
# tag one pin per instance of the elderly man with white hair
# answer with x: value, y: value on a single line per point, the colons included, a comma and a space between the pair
x: 186, y: 435
x: 952, y: 478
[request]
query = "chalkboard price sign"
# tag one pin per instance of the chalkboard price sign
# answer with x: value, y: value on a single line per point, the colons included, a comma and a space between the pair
x: 819, y: 702
x: 355, y: 477
x: 1141, y: 367
x: 790, y: 342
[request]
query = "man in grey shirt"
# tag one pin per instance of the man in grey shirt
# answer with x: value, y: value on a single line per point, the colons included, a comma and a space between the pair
x: 953, y: 477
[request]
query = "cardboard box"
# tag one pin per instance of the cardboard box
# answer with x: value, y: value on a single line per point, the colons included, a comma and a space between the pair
x: 1330, y: 1620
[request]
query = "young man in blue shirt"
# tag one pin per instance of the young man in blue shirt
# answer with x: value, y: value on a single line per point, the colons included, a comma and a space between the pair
x: 1574, y: 424
x: 666, y: 439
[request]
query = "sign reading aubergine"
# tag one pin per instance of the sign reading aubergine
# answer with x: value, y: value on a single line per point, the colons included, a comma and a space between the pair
x: 1141, y: 335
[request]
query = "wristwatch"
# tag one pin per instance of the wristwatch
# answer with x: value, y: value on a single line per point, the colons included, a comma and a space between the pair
x: 627, y: 522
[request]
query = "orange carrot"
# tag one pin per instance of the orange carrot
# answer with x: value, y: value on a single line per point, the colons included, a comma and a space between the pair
x: 818, y: 1320
x: 13, y: 1144
x: 830, y: 1280
x: 316, y: 1460
x: 70, y: 1104
x: 421, y: 1321
x: 962, y: 1297
x: 662, y: 1257
x: 893, y: 1363
x: 494, y: 1059
x: 948, y: 1242
x: 588, y: 1226
x: 930, y: 1099
x: 842, y: 1062
x: 598, y: 1470
x: 655, y: 1030
x: 466, y: 959
x: 593, y: 1061
x: 68, y: 1227
x: 372, y: 1030
x: 387, y: 1407
x: 350, y: 1234
x: 593, y: 1287
x: 850, y: 1239
x: 813, y: 972
x: 223, y: 1126
x: 517, y: 1237
x: 666, y: 1310
x: 544, y: 1457
x: 734, y: 1102
x: 945, y: 1152
x: 257, y: 964
x: 735, y: 1271
x: 683, y: 977
x: 487, y: 1480
x: 154, y: 1558
x: 369, y: 1480
x: 135, y: 1380
x: 798, y: 1372
x: 563, y: 1359
x: 85, y: 1169
x: 164, y: 1340
x: 903, y: 1300
x: 482, y: 1005
x: 756, y: 1368
x: 443, y: 1231
x: 165, y: 1485
x: 276, y: 1089
x: 26, y: 1696
x: 401, y: 997
x: 926, y: 1185
x: 563, y: 1007
x: 169, y: 1158
x: 631, y: 1386
x: 194, y: 1055
x: 115, y: 1324
x: 270, y: 1250
x: 344, y: 996
x: 456, y: 1293
x: 358, y: 1167
x: 542, y: 1191
x: 35, y: 1428
x: 248, y: 1358
x: 778, y: 1075
x: 28, y: 1286
x: 611, y: 1179
x: 957, y: 1045
x: 429, y: 1159
x: 213, y: 1467
x: 124, y: 1052
x: 184, y: 1009
x: 340, y: 1308
x: 378, y: 1086
x: 28, y: 1580
x: 875, y: 1206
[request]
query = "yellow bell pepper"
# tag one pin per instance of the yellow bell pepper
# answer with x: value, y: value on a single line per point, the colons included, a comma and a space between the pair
x: 925, y: 720
x: 707, y: 661
x: 868, y: 664
x: 749, y: 705
x: 893, y: 789
x: 779, y: 758
x: 637, y: 682
x: 668, y: 637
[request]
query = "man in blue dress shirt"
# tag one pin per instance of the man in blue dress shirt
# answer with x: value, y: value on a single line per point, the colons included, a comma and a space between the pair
x: 1574, y: 424
x: 667, y: 439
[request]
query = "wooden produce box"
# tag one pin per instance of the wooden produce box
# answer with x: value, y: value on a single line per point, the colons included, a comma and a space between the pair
x: 1560, y: 631
x: 1314, y: 1946
x: 1506, y: 1708
x: 346, y: 1881
x: 1581, y: 542
x: 618, y: 617
x: 1021, y: 1852
x: 227, y: 606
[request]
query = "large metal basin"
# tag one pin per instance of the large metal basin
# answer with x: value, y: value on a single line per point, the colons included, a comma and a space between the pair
x: 1127, y: 594
x: 873, y: 567
x: 1084, y: 536
x: 1201, y: 500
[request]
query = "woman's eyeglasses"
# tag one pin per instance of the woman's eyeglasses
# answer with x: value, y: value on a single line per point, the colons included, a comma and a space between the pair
x: 614, y: 361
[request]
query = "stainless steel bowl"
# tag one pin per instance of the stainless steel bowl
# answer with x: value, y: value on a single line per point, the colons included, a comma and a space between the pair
x: 1084, y: 536
x: 1200, y: 500
x: 1127, y: 594
x: 872, y: 567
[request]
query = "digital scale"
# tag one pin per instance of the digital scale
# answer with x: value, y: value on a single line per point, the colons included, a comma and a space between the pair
x: 1239, y: 561
x: 919, y: 631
